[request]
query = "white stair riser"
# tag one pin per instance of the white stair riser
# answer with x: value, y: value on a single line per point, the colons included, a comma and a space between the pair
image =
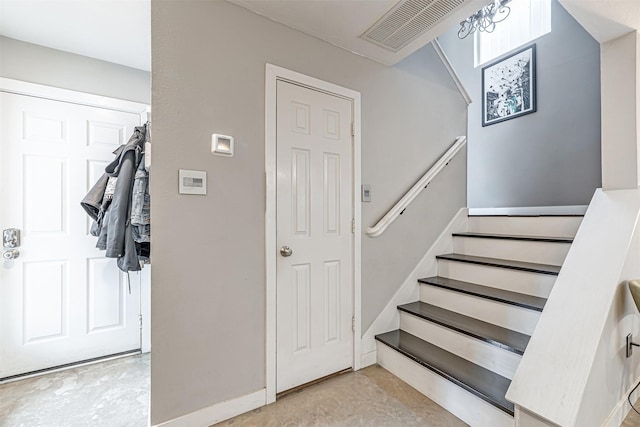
x: 562, y: 226
x: 508, y: 316
x: 496, y: 359
x: 524, y: 282
x: 517, y: 250
x: 464, y: 405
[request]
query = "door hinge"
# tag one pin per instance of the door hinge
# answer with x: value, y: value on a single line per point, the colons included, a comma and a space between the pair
x: 353, y: 225
x: 353, y: 129
x: 353, y: 323
x: 140, y: 319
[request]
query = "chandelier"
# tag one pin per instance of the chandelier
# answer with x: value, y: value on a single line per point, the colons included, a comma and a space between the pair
x: 485, y: 19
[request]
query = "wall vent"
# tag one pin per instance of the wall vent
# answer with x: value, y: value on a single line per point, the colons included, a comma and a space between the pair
x: 408, y: 20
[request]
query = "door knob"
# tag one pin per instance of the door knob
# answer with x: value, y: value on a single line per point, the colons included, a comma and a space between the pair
x: 285, y: 251
x: 11, y: 254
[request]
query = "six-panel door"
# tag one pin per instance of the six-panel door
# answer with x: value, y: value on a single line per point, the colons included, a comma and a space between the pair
x: 61, y: 300
x: 314, y: 214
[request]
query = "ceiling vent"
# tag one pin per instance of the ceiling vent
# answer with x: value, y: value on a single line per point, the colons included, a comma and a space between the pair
x: 407, y: 20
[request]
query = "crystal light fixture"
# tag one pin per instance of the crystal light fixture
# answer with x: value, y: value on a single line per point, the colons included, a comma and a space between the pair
x: 485, y: 19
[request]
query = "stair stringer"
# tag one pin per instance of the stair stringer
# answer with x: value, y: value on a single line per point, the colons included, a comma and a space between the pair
x: 574, y: 372
x: 409, y: 290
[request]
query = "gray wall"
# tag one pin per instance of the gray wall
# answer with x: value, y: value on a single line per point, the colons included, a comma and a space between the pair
x: 208, y: 296
x: 38, y: 64
x: 548, y: 158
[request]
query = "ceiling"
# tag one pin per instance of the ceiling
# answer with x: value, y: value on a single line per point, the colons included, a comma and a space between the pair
x: 605, y: 19
x: 119, y: 31
x: 342, y: 22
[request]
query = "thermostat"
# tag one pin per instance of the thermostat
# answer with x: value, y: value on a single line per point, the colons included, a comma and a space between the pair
x: 222, y: 145
x: 192, y: 182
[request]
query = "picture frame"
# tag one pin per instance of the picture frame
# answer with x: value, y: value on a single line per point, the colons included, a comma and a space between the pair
x: 509, y: 87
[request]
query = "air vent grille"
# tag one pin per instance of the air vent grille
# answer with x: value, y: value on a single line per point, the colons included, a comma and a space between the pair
x: 407, y: 20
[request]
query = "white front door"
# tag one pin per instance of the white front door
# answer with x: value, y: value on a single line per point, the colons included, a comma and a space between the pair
x: 314, y: 216
x: 61, y: 300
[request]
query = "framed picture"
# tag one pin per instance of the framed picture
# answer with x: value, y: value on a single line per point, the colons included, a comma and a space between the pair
x: 509, y: 87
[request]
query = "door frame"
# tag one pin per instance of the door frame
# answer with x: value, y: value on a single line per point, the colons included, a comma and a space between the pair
x: 20, y: 87
x: 273, y: 74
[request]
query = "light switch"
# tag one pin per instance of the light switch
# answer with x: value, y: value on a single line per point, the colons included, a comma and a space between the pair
x: 366, y: 192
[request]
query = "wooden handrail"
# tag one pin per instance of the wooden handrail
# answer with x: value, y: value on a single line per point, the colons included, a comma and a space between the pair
x: 410, y: 196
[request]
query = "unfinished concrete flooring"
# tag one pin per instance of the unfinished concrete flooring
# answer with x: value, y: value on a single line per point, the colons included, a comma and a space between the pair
x: 116, y: 394
x: 107, y: 394
x: 369, y: 397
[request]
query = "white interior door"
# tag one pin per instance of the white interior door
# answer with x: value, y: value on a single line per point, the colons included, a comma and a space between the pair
x: 314, y: 216
x: 61, y: 300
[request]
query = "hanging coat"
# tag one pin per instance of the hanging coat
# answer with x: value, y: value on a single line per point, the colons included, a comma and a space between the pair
x: 112, y: 214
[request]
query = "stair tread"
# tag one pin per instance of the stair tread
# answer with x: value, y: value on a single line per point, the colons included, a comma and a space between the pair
x: 504, y: 338
x: 503, y: 263
x: 508, y: 297
x: 482, y: 382
x: 550, y: 239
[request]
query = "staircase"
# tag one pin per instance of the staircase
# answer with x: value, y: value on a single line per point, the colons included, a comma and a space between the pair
x: 461, y: 344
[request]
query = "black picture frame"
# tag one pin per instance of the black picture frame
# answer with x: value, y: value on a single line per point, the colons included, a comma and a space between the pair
x: 509, y: 87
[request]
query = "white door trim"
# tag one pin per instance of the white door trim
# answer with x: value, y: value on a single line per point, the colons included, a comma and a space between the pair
x: 273, y: 74
x: 65, y: 95
x: 57, y: 94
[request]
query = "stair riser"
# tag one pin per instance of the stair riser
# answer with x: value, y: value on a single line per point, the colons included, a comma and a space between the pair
x: 464, y: 405
x: 496, y: 359
x: 517, y: 250
x: 508, y: 316
x: 528, y: 226
x: 523, y: 282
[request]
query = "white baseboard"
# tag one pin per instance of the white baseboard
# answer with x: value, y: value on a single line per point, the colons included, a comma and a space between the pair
x: 220, y: 411
x: 531, y: 210
x: 622, y: 409
x: 389, y: 318
x: 368, y: 359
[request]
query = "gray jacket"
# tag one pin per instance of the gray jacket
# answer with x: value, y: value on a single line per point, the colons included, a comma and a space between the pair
x: 112, y: 216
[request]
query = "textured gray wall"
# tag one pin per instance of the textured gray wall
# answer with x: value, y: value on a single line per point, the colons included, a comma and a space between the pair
x: 38, y: 64
x: 548, y: 158
x: 208, y: 296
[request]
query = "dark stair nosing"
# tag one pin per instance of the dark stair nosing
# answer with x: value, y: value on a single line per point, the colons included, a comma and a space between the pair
x: 549, y: 269
x: 500, y: 295
x: 520, y: 237
x: 498, y: 336
x: 475, y: 379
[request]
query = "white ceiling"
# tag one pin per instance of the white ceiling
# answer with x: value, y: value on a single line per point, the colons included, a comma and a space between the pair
x: 342, y: 22
x: 605, y: 19
x: 117, y: 31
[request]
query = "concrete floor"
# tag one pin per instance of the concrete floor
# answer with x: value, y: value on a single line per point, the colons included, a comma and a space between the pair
x: 116, y: 394
x: 107, y: 394
x: 369, y: 397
